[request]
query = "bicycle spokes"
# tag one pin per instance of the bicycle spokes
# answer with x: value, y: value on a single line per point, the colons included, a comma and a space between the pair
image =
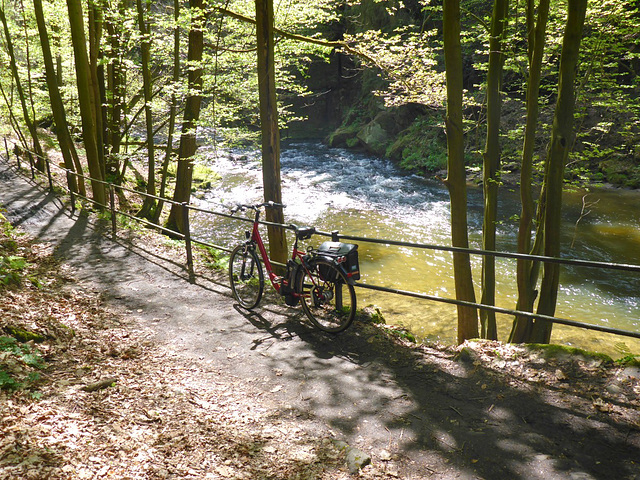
x: 246, y: 276
x: 330, y: 305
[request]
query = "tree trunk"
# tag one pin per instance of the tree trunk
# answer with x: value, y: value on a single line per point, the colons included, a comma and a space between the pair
x: 269, y: 126
x: 97, y: 80
x: 37, y: 148
x: 83, y: 80
x: 527, y: 271
x: 149, y: 203
x: 13, y: 121
x: 172, y: 112
x: 67, y: 147
x: 187, y: 148
x: 456, y: 176
x: 116, y: 34
x: 561, y: 142
x: 492, y: 165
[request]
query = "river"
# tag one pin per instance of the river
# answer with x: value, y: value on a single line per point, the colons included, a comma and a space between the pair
x: 335, y: 189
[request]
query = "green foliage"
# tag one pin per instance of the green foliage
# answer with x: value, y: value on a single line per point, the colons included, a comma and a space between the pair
x: 11, y: 268
x: 215, y: 259
x: 421, y: 147
x: 373, y: 314
x: 18, y: 365
x: 628, y: 357
x: 403, y: 47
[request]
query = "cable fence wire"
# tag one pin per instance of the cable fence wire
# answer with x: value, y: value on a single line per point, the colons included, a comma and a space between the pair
x: 336, y: 236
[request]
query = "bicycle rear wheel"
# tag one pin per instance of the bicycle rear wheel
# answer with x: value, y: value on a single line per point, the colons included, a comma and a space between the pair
x: 327, y: 299
x: 246, y: 276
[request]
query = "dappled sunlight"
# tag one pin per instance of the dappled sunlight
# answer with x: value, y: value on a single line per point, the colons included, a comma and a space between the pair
x: 365, y: 196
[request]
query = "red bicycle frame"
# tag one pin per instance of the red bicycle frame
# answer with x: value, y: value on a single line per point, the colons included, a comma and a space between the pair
x: 256, y: 238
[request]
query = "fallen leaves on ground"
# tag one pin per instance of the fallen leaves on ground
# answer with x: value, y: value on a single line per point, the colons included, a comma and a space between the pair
x: 158, y: 415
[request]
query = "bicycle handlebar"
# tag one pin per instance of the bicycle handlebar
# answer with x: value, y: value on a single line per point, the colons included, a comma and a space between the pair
x: 243, y: 207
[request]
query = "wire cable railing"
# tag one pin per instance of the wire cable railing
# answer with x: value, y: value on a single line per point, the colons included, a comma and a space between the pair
x: 337, y: 236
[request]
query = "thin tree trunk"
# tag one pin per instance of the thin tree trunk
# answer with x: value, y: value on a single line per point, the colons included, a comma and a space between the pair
x: 173, y: 110
x: 492, y: 165
x: 83, y: 80
x: 27, y: 52
x: 115, y: 34
x: 13, y: 120
x: 187, y: 148
x: 149, y: 203
x: 527, y: 271
x: 269, y: 126
x: 25, y: 111
x: 561, y: 142
x: 67, y: 147
x: 95, y: 34
x: 456, y: 176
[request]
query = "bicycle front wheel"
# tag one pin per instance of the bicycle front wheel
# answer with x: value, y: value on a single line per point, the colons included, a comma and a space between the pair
x: 246, y: 276
x: 327, y: 299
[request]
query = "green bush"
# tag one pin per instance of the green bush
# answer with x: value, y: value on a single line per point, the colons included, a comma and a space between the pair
x: 11, y: 267
x: 18, y: 364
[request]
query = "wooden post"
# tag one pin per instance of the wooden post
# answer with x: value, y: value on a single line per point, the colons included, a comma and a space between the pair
x: 187, y: 241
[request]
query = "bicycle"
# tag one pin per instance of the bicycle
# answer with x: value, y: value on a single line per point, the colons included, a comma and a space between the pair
x: 320, y: 279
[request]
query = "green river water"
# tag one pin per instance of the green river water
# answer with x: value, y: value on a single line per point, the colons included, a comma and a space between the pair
x: 369, y: 197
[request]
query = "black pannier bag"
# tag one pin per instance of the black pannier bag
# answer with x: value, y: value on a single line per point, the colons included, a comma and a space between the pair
x: 294, y: 270
x: 345, y: 254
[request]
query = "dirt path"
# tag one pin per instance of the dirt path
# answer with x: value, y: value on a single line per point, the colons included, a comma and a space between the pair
x: 425, y: 412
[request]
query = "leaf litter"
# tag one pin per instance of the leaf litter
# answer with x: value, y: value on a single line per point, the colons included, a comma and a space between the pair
x: 158, y: 415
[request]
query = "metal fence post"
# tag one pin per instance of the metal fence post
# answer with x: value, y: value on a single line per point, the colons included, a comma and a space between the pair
x: 72, y: 194
x: 31, y: 162
x: 6, y: 150
x: 112, y: 204
x: 46, y: 161
x: 187, y: 241
x: 334, y: 236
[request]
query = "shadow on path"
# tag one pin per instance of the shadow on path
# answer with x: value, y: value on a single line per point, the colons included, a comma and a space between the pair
x: 440, y: 417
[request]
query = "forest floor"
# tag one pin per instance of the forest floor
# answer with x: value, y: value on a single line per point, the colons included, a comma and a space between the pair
x: 144, y: 375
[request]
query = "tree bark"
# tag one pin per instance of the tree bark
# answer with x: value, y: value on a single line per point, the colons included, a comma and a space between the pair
x: 269, y: 126
x: 527, y: 271
x: 97, y: 78
x: 25, y: 111
x: 561, y: 142
x: 67, y: 147
x: 149, y: 203
x: 83, y: 80
x: 456, y: 176
x: 172, y: 112
x: 492, y: 165
x: 187, y: 148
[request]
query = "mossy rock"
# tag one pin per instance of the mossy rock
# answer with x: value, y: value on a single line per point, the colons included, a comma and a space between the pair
x: 24, y: 336
x: 344, y: 137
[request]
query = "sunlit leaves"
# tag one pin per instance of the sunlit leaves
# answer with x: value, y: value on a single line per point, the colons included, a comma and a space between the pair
x: 407, y: 59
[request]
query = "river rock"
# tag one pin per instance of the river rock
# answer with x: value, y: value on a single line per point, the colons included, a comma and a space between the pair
x: 631, y: 372
x: 378, y: 133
